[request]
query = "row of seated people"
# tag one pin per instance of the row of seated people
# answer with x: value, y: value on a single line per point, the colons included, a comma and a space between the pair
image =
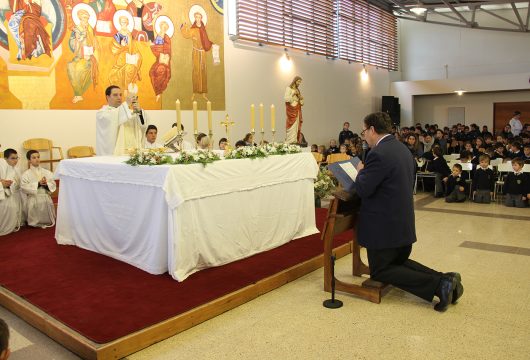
x: 25, y: 198
x: 504, y: 148
x: 481, y: 178
x: 460, y: 133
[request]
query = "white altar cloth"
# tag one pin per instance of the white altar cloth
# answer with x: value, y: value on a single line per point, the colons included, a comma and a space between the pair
x: 184, y: 218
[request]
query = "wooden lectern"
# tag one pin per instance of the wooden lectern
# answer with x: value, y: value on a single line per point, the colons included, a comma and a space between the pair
x: 342, y: 216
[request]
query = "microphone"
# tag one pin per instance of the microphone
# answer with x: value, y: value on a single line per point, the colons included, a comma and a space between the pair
x: 365, y: 148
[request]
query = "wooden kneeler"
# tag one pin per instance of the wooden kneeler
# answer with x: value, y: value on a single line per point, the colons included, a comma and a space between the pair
x: 342, y: 216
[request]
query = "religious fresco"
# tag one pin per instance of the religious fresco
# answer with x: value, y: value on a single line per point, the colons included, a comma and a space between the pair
x: 62, y: 54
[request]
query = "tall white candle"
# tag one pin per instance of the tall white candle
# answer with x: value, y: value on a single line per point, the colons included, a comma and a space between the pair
x: 195, y: 118
x: 209, y: 109
x: 252, y: 118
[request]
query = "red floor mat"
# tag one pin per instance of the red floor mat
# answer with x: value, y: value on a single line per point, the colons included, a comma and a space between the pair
x: 105, y: 299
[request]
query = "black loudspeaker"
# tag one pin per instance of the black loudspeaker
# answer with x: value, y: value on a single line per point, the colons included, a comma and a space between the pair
x: 390, y: 105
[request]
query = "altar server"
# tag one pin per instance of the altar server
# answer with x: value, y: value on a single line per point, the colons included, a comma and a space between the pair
x: 38, y: 184
x: 11, y: 217
x: 150, y: 138
x: 117, y: 127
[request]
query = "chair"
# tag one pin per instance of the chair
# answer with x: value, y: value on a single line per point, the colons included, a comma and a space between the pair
x: 318, y: 157
x: 333, y: 158
x: 502, y: 168
x: 496, y: 162
x: 40, y: 145
x: 450, y: 157
x: 80, y: 152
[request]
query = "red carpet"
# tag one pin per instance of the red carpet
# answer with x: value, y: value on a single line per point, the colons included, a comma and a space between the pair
x: 105, y: 299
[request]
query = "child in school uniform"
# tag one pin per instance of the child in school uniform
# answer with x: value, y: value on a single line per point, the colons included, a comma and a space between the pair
x: 439, y: 166
x: 38, y: 184
x: 456, y: 190
x: 483, y: 181
x: 517, y: 185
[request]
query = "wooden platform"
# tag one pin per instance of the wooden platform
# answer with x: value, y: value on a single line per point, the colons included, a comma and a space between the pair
x: 134, y: 342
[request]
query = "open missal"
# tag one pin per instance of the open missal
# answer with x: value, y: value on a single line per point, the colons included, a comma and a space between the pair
x: 345, y: 172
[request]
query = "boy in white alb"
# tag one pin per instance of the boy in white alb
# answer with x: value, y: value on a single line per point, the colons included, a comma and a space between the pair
x: 11, y: 215
x: 38, y: 184
x: 150, y: 138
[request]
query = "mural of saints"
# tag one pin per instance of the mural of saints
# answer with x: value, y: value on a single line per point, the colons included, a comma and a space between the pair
x: 144, y: 15
x: 201, y: 44
x: 128, y: 60
x: 160, y: 72
x: 28, y: 31
x: 83, y: 69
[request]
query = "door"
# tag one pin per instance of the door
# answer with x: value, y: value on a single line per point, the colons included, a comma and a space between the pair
x: 503, y: 112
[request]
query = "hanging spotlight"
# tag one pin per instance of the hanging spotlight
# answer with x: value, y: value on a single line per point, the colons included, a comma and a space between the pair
x: 285, y: 61
x: 364, y: 73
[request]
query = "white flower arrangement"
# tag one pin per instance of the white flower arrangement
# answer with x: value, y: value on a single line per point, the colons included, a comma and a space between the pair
x: 252, y: 152
x: 147, y: 157
x: 324, y: 184
x: 196, y: 157
x: 247, y: 152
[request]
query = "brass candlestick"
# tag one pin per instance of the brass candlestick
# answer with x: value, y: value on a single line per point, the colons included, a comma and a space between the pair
x: 262, y: 132
x: 227, y: 123
x: 273, y: 133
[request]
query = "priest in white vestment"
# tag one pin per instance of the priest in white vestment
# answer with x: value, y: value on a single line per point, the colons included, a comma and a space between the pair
x: 38, y: 184
x: 117, y: 127
x: 11, y: 214
x: 150, y: 138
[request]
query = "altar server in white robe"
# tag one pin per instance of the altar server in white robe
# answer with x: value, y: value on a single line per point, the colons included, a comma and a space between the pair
x: 150, y: 138
x: 117, y: 127
x: 38, y: 183
x: 11, y: 215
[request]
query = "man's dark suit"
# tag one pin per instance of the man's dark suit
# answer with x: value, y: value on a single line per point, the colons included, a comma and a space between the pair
x: 386, y: 226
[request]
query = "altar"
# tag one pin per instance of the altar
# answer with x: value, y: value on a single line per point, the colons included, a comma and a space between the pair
x: 185, y: 218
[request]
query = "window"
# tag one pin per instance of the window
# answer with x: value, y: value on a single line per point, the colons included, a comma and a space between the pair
x: 352, y: 30
x: 366, y: 34
x: 306, y: 25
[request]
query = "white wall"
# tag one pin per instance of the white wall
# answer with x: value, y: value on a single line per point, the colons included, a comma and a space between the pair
x: 433, y: 109
x: 478, y: 61
x: 426, y: 48
x: 333, y: 91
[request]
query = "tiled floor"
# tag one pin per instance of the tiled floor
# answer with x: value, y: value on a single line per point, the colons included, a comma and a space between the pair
x: 492, y: 320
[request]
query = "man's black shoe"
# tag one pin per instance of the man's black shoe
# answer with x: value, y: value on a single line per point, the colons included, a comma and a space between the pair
x: 445, y: 293
x: 459, y: 289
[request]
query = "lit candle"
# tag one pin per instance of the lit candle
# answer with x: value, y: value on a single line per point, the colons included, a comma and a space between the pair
x: 195, y: 118
x: 179, y: 118
x: 273, y: 117
x: 209, y: 109
x: 252, y: 118
x: 261, y: 117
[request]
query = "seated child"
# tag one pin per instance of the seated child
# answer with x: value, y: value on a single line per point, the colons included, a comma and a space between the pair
x: 439, y: 166
x: 483, y: 181
x: 38, y: 184
x: 517, y: 185
x: 526, y: 154
x: 456, y: 191
x: 11, y: 215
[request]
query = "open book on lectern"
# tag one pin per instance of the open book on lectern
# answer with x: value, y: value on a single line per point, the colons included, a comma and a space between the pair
x: 345, y: 172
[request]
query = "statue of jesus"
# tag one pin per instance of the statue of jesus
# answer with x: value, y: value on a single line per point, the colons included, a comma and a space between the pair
x: 293, y: 108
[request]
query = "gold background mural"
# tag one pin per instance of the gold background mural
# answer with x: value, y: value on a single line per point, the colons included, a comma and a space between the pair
x: 63, y: 54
